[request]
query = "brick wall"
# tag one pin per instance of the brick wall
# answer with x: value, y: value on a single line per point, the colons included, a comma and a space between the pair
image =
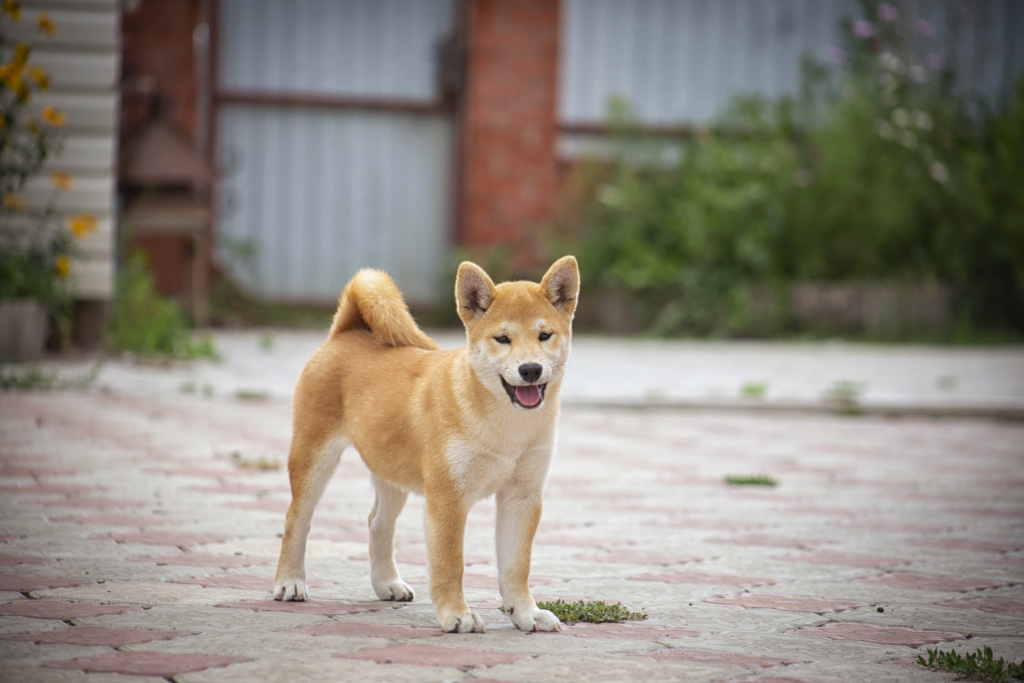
x: 508, y: 176
x: 158, y: 61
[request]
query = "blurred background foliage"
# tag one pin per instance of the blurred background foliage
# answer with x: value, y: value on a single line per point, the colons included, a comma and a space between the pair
x: 879, y: 170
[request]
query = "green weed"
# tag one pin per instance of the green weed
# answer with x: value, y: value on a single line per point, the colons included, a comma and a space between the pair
x: 593, y: 611
x: 755, y: 389
x: 974, y: 666
x: 251, y: 395
x: 844, y: 396
x: 750, y: 480
x: 34, y: 378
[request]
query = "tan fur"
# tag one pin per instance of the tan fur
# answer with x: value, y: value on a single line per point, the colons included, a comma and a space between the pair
x: 437, y: 423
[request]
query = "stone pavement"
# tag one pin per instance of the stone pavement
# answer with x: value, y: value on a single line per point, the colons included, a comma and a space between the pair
x: 141, y: 521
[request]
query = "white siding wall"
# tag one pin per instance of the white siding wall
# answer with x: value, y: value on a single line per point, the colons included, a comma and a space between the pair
x: 83, y: 59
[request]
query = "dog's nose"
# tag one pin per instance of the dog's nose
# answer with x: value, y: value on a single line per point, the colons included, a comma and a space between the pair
x: 530, y: 371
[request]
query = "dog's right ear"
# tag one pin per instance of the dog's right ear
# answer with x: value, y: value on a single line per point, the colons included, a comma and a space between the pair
x: 473, y: 291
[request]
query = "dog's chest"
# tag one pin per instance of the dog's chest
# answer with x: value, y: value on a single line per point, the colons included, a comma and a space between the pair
x: 480, y: 469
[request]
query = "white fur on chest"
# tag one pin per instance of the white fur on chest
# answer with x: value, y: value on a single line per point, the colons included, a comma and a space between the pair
x: 482, y: 465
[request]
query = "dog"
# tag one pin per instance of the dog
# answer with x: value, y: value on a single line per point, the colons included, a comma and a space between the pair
x: 453, y: 425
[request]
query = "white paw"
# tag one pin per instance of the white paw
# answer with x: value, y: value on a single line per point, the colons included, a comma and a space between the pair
x: 291, y: 590
x: 470, y: 622
x: 535, y: 619
x: 394, y: 589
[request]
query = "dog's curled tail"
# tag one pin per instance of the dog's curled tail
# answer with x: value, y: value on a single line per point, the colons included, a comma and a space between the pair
x: 371, y: 301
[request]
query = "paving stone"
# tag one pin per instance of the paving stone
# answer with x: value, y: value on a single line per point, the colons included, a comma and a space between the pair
x: 65, y: 611
x: 706, y: 579
x: 203, y: 560
x: 243, y: 581
x: 745, y: 661
x: 926, y: 582
x: 15, y: 560
x: 435, y: 655
x: 146, y: 663
x: 357, y: 630
x: 161, y: 538
x: 653, y: 634
x: 882, y: 635
x: 787, y: 603
x: 980, y: 544
x: 989, y: 605
x: 771, y: 541
x: 325, y: 607
x: 846, y: 559
x: 96, y: 635
x: 137, y: 521
x: 24, y: 583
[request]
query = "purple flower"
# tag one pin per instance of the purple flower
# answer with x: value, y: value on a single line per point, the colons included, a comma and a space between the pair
x: 887, y: 12
x: 863, y: 29
x: 934, y: 61
x: 836, y: 56
x: 925, y: 28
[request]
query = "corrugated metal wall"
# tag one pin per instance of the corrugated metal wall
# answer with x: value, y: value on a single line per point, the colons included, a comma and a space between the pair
x: 680, y: 61
x: 322, y: 191
x: 83, y: 60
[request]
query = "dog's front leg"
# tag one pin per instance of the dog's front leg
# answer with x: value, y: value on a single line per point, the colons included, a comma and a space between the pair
x: 446, y: 528
x: 519, y: 509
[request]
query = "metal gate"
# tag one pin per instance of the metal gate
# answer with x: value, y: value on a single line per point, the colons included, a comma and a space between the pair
x: 333, y: 144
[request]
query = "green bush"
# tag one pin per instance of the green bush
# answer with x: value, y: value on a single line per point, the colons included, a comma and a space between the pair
x: 148, y: 324
x: 876, y: 170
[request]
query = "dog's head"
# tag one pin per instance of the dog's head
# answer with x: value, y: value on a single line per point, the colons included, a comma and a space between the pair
x: 519, y: 332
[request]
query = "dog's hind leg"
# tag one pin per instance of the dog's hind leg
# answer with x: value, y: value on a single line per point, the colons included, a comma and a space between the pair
x: 311, y: 463
x: 390, y: 500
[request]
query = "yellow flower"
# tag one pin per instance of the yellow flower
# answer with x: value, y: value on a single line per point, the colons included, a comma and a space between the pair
x: 11, y: 9
x: 46, y: 24
x: 82, y: 224
x: 21, y: 52
x: 63, y: 266
x: 61, y: 180
x: 40, y: 76
x: 14, y: 202
x: 53, y: 116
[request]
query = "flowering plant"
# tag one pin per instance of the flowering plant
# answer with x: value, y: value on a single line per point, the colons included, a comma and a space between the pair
x: 36, y: 243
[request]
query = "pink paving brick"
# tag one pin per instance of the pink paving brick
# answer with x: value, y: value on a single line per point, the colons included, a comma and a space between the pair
x: 64, y: 611
x: 847, y: 559
x: 771, y: 541
x: 33, y: 472
x: 787, y: 603
x: 23, y: 583
x: 772, y: 679
x: 627, y: 557
x: 14, y: 560
x: 712, y: 657
x: 831, y: 510
x: 979, y: 544
x: 653, y: 634
x: 989, y: 605
x: 146, y: 663
x: 325, y: 607
x: 580, y: 541
x: 96, y: 636
x: 898, y: 526
x: 881, y: 635
x: 419, y: 556
x: 137, y: 521
x: 709, y: 524
x: 991, y: 511
x: 49, y: 489
x: 704, y: 579
x: 243, y: 581
x: 435, y: 655
x: 235, y: 488
x: 93, y: 503
x: 343, y: 536
x: 927, y: 582
x: 349, y: 629
x: 161, y: 538
x: 275, y: 505
x: 203, y: 560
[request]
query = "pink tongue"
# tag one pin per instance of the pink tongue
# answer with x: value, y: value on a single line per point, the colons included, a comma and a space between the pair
x: 528, y: 396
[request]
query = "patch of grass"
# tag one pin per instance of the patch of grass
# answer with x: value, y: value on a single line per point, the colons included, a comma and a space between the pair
x: 34, y: 378
x: 754, y: 389
x: 750, y: 480
x: 593, y: 611
x: 260, y: 463
x: 844, y: 396
x: 974, y: 666
x: 251, y: 395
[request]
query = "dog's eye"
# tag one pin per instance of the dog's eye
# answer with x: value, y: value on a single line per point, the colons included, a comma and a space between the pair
x: 544, y: 336
x: 502, y: 339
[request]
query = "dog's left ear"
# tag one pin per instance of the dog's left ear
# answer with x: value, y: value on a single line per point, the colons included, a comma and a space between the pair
x: 562, y: 284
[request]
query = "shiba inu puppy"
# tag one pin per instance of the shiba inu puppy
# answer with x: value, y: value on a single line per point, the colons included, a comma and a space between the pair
x: 455, y: 426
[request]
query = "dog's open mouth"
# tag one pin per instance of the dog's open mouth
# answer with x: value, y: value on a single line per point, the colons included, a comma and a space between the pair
x: 527, y: 395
